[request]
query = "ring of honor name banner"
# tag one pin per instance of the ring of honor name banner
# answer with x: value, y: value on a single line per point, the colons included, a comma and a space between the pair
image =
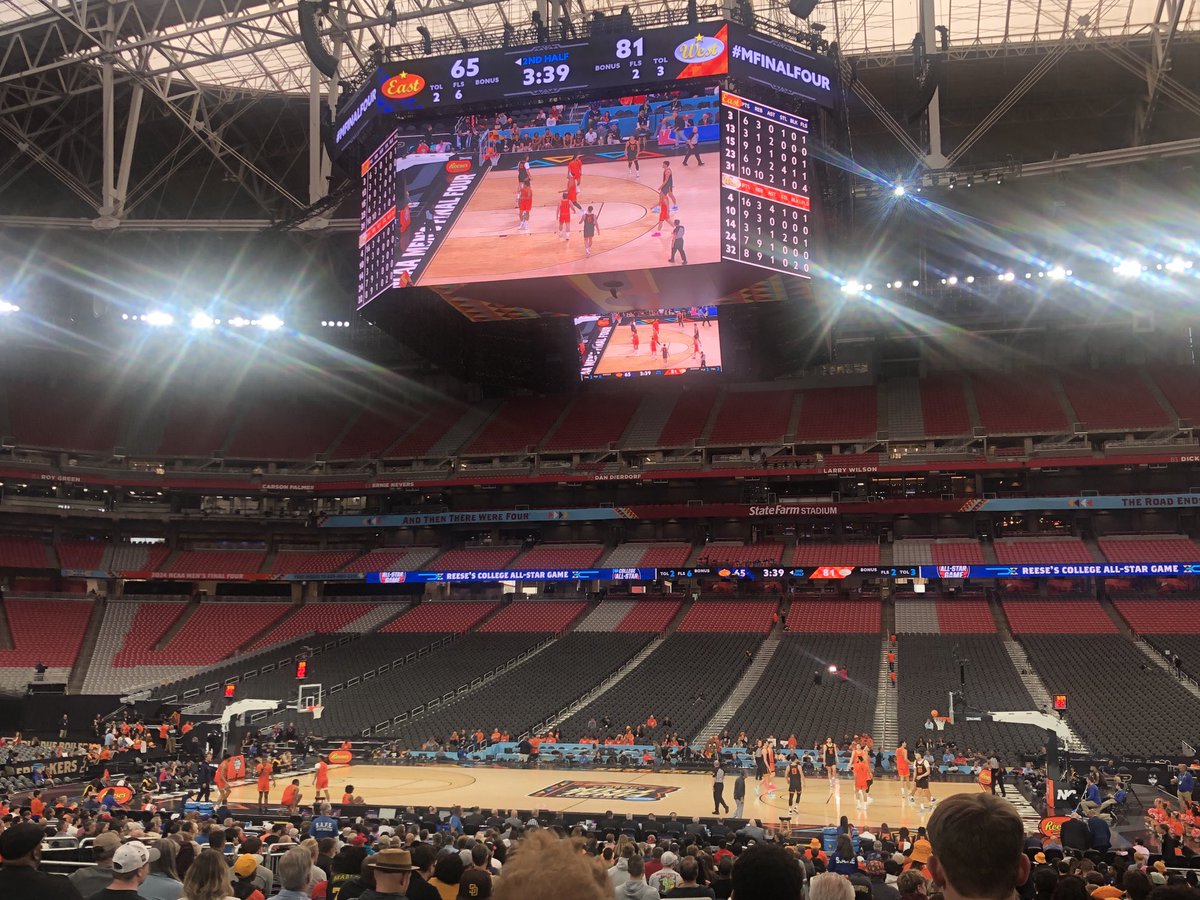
x: 764, y: 186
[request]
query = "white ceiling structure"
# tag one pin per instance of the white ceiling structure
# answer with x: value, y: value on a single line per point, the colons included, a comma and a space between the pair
x: 197, y: 62
x: 254, y: 45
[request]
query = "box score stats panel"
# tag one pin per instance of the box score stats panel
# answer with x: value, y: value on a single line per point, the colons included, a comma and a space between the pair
x: 764, y: 186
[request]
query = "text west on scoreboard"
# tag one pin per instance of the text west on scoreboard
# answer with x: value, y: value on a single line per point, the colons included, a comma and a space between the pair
x: 642, y: 60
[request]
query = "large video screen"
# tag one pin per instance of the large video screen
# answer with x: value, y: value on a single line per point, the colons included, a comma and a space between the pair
x: 650, y: 342
x: 549, y: 191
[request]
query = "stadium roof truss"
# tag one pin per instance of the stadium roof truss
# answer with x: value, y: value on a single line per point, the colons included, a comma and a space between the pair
x: 202, y: 63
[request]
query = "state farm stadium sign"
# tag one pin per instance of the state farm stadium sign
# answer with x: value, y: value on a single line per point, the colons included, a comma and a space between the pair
x: 793, y: 511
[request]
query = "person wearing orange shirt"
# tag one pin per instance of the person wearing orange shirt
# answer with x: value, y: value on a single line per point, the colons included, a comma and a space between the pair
x: 350, y: 798
x: 321, y: 780
x: 37, y: 808
x: 903, y: 770
x: 291, y: 796
x: 862, y: 777
x: 264, y: 771
x: 495, y: 735
x: 221, y: 780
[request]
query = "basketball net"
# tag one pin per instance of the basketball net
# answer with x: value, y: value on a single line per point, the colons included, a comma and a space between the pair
x: 315, y: 711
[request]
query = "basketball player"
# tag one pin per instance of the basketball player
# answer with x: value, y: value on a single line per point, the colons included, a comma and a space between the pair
x: 264, y: 771
x: 921, y: 773
x: 564, y: 217
x: 633, y: 151
x: 664, y: 352
x: 695, y: 347
x: 904, y: 771
x: 573, y: 193
x: 575, y: 170
x: 350, y: 798
x: 635, y: 343
x: 321, y: 780
x: 523, y: 177
x: 664, y: 214
x: 668, y: 184
x: 862, y: 779
x: 795, y: 777
x: 677, y: 242
x: 653, y: 343
x: 591, y: 224
x: 829, y: 753
x: 291, y: 796
x: 524, y: 205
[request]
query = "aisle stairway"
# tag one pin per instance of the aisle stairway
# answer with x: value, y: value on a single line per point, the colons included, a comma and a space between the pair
x: 1161, y: 661
x: 1037, y: 690
x: 605, y: 686
x: 887, y: 715
x: 743, y: 689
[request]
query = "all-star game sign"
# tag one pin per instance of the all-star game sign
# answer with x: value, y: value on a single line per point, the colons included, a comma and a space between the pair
x: 606, y: 790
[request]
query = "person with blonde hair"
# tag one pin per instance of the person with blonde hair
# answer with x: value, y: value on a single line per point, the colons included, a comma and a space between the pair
x: 207, y: 878
x: 163, y: 881
x: 828, y: 886
x: 545, y: 867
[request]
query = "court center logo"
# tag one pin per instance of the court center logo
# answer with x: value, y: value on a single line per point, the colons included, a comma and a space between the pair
x: 606, y: 790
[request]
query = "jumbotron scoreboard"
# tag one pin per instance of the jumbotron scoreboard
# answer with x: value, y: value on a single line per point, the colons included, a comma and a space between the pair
x: 432, y: 211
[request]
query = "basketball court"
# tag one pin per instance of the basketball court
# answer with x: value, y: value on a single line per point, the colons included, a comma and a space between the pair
x: 619, y: 354
x: 485, y: 244
x: 588, y: 791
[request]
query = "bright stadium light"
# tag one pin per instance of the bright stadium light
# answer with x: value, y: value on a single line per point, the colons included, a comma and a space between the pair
x: 852, y: 288
x: 970, y: 279
x: 239, y: 322
x: 1128, y: 268
x: 1058, y: 273
x: 6, y: 307
x: 952, y: 280
x: 158, y: 318
x: 270, y: 322
x: 202, y: 321
x: 898, y: 191
x: 1178, y: 265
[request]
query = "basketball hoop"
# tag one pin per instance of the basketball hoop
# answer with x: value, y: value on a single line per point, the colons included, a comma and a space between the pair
x: 315, y: 711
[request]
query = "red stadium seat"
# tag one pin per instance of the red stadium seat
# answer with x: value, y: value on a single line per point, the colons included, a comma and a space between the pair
x: 730, y: 616
x: 835, y: 616
x: 752, y: 417
x: 440, y: 618
x: 651, y: 616
x: 534, y: 616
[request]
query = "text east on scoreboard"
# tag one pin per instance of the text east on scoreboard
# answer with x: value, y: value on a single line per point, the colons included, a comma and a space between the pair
x: 760, y: 195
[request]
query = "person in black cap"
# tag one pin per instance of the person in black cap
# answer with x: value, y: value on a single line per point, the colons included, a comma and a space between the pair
x: 393, y: 868
x: 21, y: 850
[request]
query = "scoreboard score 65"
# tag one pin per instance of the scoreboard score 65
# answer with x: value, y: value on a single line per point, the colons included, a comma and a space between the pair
x: 765, y: 200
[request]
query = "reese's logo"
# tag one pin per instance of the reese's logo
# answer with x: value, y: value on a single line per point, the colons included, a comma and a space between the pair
x: 606, y: 790
x: 403, y: 86
x: 700, y: 49
x: 340, y: 757
x: 458, y: 166
x: 1051, y: 826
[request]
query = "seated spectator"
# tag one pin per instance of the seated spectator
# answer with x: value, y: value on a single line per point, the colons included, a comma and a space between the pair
x: 547, y: 868
x: 93, y: 879
x: 163, y: 882
x: 21, y: 850
x: 769, y: 872
x: 689, y: 886
x: 828, y: 886
x: 977, y: 848
x: 295, y: 875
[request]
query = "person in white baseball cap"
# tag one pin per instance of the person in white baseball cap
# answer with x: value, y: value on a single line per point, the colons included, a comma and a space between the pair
x: 131, y: 866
